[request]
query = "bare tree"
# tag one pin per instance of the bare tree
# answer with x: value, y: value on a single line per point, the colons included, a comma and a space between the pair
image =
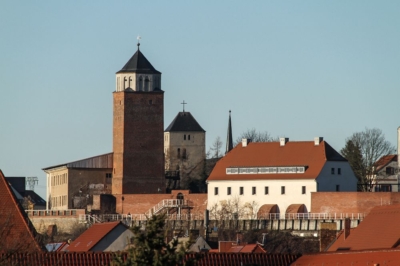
x: 215, y: 150
x: 256, y: 136
x: 372, y: 145
x: 233, y: 209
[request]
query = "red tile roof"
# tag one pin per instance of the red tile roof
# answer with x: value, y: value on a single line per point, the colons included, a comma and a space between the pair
x: 384, y: 160
x: 378, y: 230
x: 105, y: 258
x: 240, y: 259
x: 270, y: 154
x: 252, y: 248
x: 387, y: 257
x: 16, y: 230
x: 88, y: 239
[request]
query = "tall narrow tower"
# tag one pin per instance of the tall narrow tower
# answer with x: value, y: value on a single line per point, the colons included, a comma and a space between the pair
x: 138, y: 128
x: 229, y: 141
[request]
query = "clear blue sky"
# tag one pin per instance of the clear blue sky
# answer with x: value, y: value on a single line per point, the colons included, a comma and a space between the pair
x: 298, y: 69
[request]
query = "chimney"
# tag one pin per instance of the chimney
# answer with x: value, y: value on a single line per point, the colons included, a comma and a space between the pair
x: 239, y: 238
x: 318, y: 140
x: 346, y: 228
x: 264, y: 239
x: 245, y: 142
x: 283, y: 141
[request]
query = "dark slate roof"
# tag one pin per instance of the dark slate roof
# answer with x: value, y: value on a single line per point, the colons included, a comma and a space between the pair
x: 139, y: 64
x: 184, y: 121
x: 332, y: 154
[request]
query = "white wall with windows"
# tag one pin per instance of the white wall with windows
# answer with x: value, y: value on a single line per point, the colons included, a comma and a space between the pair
x: 336, y: 176
x: 280, y: 192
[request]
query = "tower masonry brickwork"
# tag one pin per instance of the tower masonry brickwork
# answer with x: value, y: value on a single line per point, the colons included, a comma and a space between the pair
x: 138, y: 140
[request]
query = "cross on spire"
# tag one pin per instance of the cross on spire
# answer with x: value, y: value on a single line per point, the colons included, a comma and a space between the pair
x: 183, y: 103
x: 138, y: 41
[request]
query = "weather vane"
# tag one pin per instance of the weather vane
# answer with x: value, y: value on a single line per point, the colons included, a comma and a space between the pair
x: 138, y: 40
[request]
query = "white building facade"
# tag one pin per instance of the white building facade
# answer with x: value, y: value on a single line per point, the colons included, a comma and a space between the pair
x: 278, y: 173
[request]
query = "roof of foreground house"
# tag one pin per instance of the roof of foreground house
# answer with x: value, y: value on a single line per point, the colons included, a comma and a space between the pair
x: 272, y: 154
x: 88, y: 239
x: 16, y: 229
x: 387, y: 257
x: 378, y: 230
x: 105, y: 258
x: 385, y: 160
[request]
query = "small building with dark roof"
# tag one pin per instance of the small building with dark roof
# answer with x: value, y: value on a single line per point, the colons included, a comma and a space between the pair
x: 184, y: 147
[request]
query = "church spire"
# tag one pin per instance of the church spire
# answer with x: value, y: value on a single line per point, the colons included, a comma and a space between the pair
x: 229, y: 143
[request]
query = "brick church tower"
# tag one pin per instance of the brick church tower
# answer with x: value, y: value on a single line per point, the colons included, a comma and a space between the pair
x: 138, y: 128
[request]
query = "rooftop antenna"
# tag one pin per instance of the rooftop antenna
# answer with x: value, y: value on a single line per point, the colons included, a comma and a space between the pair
x: 31, y: 181
x: 138, y: 41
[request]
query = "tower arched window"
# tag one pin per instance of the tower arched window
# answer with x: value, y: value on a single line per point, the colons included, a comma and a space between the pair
x: 183, y: 153
x: 147, y: 84
x: 179, y: 153
x: 140, y: 85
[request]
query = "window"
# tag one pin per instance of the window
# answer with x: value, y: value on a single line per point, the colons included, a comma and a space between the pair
x: 390, y: 170
x: 216, y: 191
x: 339, y: 171
x: 184, y: 137
x: 188, y: 137
x: 184, y: 153
x: 228, y: 192
x: 282, y: 190
x: 337, y: 187
x: 266, y: 190
x: 332, y: 171
x: 241, y: 191
x: 303, y: 190
x: 179, y: 153
x: 150, y: 102
x: 253, y: 190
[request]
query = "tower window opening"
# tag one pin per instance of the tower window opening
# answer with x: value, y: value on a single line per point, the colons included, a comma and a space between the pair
x: 179, y: 153
x: 184, y: 137
x: 188, y: 137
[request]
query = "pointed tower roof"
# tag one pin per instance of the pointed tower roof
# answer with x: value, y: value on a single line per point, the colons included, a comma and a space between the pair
x: 229, y: 141
x: 184, y: 121
x: 16, y: 229
x: 139, y: 64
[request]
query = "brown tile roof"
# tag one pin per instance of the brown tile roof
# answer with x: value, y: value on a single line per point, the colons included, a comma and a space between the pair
x: 16, y: 229
x: 258, y: 154
x: 378, y: 230
x: 60, y: 258
x: 252, y: 248
x: 239, y: 259
x: 105, y: 258
x: 387, y: 257
x: 88, y: 239
x: 384, y: 160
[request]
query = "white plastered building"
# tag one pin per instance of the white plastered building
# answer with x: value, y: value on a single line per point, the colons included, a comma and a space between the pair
x: 278, y: 177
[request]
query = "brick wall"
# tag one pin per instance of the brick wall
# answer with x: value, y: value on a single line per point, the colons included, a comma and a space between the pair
x: 141, y: 203
x: 351, y: 202
x: 138, y: 143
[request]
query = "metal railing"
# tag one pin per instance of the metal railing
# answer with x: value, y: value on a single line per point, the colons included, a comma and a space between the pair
x: 312, y: 216
x: 87, y: 218
x: 168, y: 203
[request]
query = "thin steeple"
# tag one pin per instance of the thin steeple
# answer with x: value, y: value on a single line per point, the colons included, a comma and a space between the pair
x: 229, y: 142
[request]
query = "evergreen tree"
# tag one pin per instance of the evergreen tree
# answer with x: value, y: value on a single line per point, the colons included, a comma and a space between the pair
x: 352, y: 153
x: 149, y: 246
